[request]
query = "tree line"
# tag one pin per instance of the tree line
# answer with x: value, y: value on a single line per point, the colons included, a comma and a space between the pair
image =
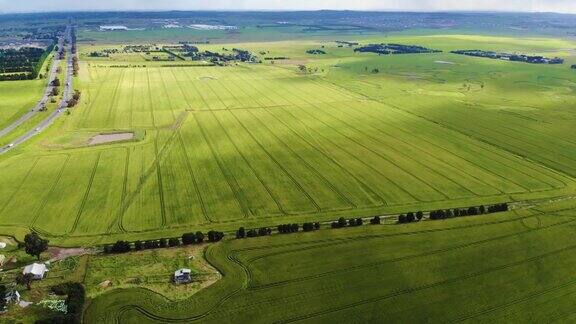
x: 22, y: 64
x: 386, y: 49
x: 534, y: 59
x: 470, y: 211
x: 342, y: 222
x: 198, y: 237
x: 315, y: 51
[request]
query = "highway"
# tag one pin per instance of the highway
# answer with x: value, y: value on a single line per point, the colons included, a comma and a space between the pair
x: 62, y: 106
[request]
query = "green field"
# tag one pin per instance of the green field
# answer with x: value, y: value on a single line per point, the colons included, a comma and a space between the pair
x: 490, y: 268
x: 300, y: 138
x: 17, y: 98
x: 263, y: 144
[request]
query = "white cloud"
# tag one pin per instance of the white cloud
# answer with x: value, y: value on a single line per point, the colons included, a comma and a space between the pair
x: 566, y: 6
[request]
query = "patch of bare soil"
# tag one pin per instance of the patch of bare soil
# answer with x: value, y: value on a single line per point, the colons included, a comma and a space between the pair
x: 110, y: 138
x: 57, y: 254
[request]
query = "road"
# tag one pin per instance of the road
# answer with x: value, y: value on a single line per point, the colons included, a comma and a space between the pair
x: 67, y: 95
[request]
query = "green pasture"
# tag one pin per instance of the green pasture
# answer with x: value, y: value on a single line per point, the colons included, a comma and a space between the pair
x: 263, y: 144
x: 18, y: 97
x: 507, y: 267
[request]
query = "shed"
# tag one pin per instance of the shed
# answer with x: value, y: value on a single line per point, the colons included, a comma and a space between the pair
x: 182, y: 276
x: 36, y: 269
x: 12, y: 296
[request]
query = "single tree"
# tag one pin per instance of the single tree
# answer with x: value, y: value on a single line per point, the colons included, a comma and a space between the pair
x: 419, y: 215
x: 241, y: 233
x: 199, y: 237
x: 173, y: 242
x: 188, y: 238
x: 25, y: 280
x: 138, y: 245
x: 35, y: 245
x: 3, y: 292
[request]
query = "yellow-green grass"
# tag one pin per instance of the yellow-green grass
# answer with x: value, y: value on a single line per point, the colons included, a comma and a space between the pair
x: 27, y: 88
x: 507, y: 267
x: 18, y: 97
x: 253, y: 145
x: 150, y: 269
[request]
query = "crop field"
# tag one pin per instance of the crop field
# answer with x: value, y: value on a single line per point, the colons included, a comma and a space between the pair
x: 396, y: 273
x: 17, y: 97
x: 263, y: 144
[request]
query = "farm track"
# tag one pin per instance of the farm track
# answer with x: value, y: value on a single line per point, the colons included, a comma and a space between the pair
x: 449, y: 151
x: 232, y: 257
x: 193, y: 176
x: 519, y: 300
x: 523, y: 142
x: 150, y: 100
x: 431, y: 285
x: 331, y: 186
x: 420, y: 138
x: 341, y: 149
x: 20, y: 185
x: 393, y: 260
x: 160, y: 185
x: 332, y: 128
x: 168, y: 97
x: 40, y: 208
x: 86, y: 194
x: 491, y: 143
x: 113, y: 101
x: 433, y: 122
x: 272, y: 195
x: 437, y: 160
x: 116, y: 222
x: 87, y: 111
x: 145, y: 176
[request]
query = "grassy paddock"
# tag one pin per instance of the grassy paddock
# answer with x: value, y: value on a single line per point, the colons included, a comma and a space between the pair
x: 475, y: 265
x: 264, y: 144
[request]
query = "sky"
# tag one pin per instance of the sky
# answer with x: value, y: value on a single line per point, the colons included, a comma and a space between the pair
x: 562, y: 6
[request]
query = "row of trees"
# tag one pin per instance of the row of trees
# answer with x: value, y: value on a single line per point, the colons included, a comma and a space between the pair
x: 16, y: 76
x: 306, y: 227
x: 534, y: 59
x: 255, y: 232
x: 385, y: 49
x: 352, y: 222
x: 470, y: 211
x: 410, y: 217
x: 342, y: 222
x: 23, y: 59
x: 186, y: 239
x: 75, y: 66
x: 315, y: 51
x: 75, y: 99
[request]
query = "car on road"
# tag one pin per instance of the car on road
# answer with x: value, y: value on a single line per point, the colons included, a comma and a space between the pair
x: 10, y: 145
x: 37, y: 129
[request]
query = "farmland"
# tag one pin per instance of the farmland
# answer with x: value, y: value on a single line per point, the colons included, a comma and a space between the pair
x: 18, y: 97
x: 486, y: 268
x: 335, y: 154
x: 263, y: 144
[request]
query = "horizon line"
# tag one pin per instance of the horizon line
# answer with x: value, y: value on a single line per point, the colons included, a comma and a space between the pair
x: 284, y: 10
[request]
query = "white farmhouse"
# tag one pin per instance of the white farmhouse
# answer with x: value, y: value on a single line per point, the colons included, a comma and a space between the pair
x: 182, y: 276
x: 36, y: 269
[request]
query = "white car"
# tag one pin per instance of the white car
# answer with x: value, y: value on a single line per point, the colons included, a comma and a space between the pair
x: 11, y: 145
x: 37, y: 129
